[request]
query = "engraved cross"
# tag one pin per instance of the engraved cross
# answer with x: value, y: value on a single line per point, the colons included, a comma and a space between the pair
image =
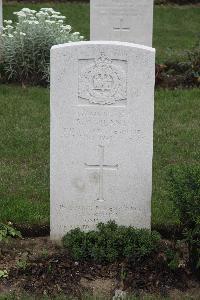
x: 121, y: 28
x: 101, y: 167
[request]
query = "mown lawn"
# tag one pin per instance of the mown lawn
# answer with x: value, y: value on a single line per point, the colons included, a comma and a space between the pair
x: 24, y: 119
x: 90, y: 297
x: 175, y: 28
x: 24, y: 150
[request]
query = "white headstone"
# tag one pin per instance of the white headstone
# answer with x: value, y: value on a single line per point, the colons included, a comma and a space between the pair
x: 102, y: 110
x: 122, y: 20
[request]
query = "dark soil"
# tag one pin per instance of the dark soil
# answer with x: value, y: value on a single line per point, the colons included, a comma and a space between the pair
x: 35, y: 230
x: 37, y: 266
x: 171, y: 77
x: 166, y: 76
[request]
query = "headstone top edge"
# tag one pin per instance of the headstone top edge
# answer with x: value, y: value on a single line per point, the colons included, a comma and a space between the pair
x: 103, y: 43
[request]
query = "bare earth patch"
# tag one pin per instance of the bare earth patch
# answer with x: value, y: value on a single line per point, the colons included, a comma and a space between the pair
x: 37, y: 266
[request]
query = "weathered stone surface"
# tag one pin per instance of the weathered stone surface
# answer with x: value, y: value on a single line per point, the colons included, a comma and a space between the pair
x: 102, y: 109
x: 122, y: 20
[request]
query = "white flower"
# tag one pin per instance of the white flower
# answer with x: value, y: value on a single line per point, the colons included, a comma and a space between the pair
x: 8, y: 27
x: 8, y: 22
x: 28, y: 11
x: 56, y: 12
x: 22, y: 33
x: 50, y: 22
x: 47, y: 10
x: 10, y: 35
x: 20, y: 14
x: 25, y: 9
x: 60, y: 21
x: 32, y: 22
x: 41, y: 14
x: 76, y: 33
x: 56, y: 17
x: 61, y: 17
x: 66, y: 27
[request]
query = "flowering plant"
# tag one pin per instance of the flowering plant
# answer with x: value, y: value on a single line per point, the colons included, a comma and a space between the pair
x: 25, y: 45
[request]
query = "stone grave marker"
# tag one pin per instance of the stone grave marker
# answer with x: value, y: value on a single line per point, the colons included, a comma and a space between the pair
x: 102, y: 111
x: 122, y: 20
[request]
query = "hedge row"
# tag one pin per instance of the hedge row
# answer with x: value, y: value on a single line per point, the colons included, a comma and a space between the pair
x: 180, y: 2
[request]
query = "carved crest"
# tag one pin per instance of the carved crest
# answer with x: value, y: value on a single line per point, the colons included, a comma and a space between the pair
x: 103, y: 82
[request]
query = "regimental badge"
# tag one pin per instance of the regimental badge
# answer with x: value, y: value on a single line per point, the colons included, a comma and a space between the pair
x: 103, y: 82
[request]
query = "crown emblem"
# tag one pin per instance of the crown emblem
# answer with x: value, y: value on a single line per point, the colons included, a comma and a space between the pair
x: 103, y: 60
x: 102, y: 82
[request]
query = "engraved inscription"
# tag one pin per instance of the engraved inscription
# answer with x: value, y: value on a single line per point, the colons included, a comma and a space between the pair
x: 103, y: 127
x: 121, y: 8
x: 121, y: 28
x: 103, y: 82
x: 101, y: 167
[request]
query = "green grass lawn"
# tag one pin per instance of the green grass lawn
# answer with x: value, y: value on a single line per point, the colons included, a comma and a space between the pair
x: 175, y: 28
x: 24, y: 154
x: 24, y: 117
x: 24, y: 150
x: 90, y: 297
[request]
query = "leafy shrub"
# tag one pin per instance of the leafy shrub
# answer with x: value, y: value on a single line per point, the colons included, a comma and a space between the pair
x: 26, y: 44
x: 184, y: 71
x: 184, y: 191
x: 172, y: 257
x: 7, y: 231
x: 3, y: 274
x: 180, y: 2
x: 111, y: 242
x: 193, y: 73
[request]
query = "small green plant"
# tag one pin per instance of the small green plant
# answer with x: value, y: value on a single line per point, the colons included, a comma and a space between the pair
x: 26, y: 44
x: 173, y: 259
x: 7, y: 231
x: 111, y: 242
x: 45, y: 253
x: 193, y: 73
x: 192, y: 238
x: 184, y: 184
x: 184, y: 192
x: 22, y: 263
x: 49, y: 269
x: 3, y: 274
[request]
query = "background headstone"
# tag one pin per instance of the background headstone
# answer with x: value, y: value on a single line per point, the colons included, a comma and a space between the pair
x: 102, y: 110
x: 122, y: 20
